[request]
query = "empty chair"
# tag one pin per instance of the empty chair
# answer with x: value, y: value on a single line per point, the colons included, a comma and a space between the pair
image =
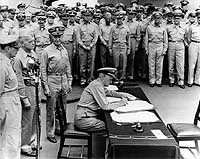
x: 187, y: 131
x: 68, y: 131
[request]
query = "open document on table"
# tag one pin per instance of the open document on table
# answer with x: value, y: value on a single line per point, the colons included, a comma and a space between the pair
x: 133, y: 117
x: 134, y: 106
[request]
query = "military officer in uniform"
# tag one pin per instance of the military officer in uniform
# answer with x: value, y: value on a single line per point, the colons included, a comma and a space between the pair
x: 12, y: 12
x: 156, y: 43
x: 41, y: 34
x: 119, y: 46
x: 69, y: 37
x: 194, y: 53
x: 87, y: 35
x: 22, y: 29
x: 51, y: 15
x: 106, y: 59
x: 23, y: 67
x: 94, y: 99
x: 10, y: 106
x: 21, y: 7
x: 176, y: 50
x: 184, y: 5
x: 7, y: 23
x: 135, y: 37
x: 56, y: 77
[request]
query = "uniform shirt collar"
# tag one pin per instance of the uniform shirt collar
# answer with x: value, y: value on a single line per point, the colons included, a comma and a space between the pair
x: 4, y: 57
x: 120, y: 26
x: 159, y: 25
x: 56, y: 47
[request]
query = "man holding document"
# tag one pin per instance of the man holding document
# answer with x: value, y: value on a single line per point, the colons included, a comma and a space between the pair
x: 94, y: 99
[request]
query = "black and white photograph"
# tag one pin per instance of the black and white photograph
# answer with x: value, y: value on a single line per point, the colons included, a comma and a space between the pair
x: 100, y: 79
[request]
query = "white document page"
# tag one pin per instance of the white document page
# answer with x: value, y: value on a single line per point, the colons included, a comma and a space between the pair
x: 137, y: 105
x: 113, y: 99
x: 142, y: 117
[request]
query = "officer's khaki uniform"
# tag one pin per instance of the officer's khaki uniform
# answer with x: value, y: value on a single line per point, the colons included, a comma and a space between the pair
x: 156, y: 46
x: 56, y: 75
x: 194, y: 54
x: 23, y: 31
x: 92, y: 100
x: 87, y: 34
x: 104, y: 42
x: 176, y: 52
x: 8, y: 24
x: 135, y: 37
x: 42, y: 40
x: 10, y: 111
x: 119, y: 43
x: 69, y: 41
x: 26, y: 89
x: 141, y: 56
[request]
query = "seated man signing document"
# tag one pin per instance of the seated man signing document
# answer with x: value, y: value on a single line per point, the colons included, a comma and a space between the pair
x: 94, y: 99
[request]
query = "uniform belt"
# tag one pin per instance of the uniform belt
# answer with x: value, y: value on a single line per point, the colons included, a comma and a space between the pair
x: 194, y: 41
x: 79, y: 106
x: 132, y: 35
x: 119, y: 42
x: 56, y: 74
x: 156, y: 42
x: 85, y: 115
x: 177, y: 41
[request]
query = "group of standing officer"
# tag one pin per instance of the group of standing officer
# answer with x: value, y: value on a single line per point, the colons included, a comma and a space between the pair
x: 67, y: 43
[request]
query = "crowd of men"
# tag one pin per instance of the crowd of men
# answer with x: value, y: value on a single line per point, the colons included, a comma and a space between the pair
x: 115, y: 35
x: 69, y: 43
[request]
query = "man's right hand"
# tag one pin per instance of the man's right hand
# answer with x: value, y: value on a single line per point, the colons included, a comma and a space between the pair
x: 26, y: 103
x: 110, y: 51
x: 47, y: 92
x: 123, y: 101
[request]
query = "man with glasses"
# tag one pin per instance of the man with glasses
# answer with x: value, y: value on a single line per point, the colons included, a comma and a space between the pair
x: 24, y: 64
x: 10, y: 105
x: 56, y: 77
x: 194, y: 53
